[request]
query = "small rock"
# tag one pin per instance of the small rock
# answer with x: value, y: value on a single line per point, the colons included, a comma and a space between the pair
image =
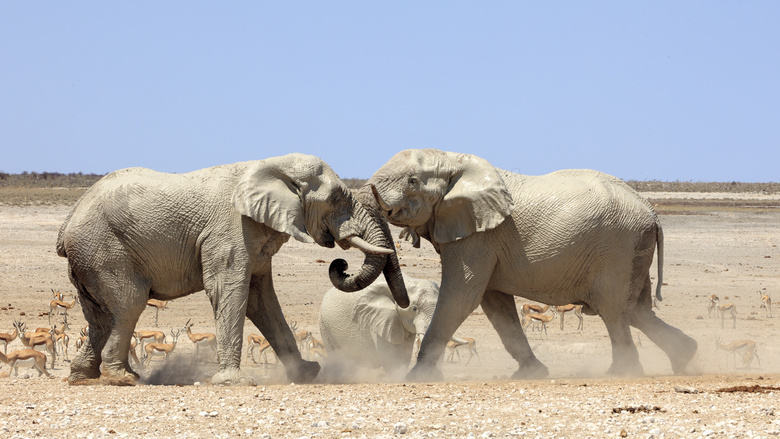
x: 399, y: 428
x: 680, y: 389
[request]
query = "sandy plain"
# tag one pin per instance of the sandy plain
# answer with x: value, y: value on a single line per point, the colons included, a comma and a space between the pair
x: 731, y: 251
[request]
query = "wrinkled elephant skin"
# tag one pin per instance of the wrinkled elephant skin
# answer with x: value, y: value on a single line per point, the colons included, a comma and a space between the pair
x: 138, y: 234
x: 368, y: 329
x: 572, y: 236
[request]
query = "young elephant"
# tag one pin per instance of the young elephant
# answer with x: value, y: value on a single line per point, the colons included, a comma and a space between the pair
x: 138, y: 234
x: 367, y: 329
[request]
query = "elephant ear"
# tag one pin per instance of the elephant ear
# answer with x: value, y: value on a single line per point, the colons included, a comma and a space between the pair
x: 475, y: 201
x: 271, y: 193
x: 376, y: 311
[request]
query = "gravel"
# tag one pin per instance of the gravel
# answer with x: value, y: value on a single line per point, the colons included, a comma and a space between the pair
x: 574, y: 408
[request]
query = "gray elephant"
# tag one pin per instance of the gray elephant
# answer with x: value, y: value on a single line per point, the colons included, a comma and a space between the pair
x: 138, y: 234
x: 572, y: 236
x: 368, y: 329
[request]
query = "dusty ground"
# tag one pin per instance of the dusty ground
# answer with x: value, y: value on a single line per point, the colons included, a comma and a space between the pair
x: 729, y: 251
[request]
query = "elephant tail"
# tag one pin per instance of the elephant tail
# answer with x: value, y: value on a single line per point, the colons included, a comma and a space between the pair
x: 659, y: 237
x: 61, y: 238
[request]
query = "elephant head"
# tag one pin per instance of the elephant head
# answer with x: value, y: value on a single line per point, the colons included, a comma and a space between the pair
x: 376, y: 312
x: 302, y: 196
x: 442, y: 195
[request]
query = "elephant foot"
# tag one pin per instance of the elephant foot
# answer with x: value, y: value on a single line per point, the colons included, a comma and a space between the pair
x: 119, y: 371
x: 626, y: 369
x: 80, y: 374
x: 83, y: 370
x: 531, y: 370
x: 231, y: 377
x: 112, y: 376
x: 304, y: 372
x: 424, y: 373
x: 683, y: 359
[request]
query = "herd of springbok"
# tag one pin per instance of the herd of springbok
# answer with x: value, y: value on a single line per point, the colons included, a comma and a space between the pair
x: 747, y: 348
x: 45, y: 344
x: 537, y: 317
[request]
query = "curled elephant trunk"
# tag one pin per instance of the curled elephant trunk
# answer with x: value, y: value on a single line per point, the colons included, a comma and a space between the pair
x: 372, y: 267
x: 377, y: 243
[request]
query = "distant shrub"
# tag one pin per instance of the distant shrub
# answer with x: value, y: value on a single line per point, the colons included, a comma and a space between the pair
x: 48, y: 180
x: 48, y: 188
x: 695, y: 186
x: 354, y: 183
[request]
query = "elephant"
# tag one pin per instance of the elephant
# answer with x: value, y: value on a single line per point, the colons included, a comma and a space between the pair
x: 368, y: 329
x: 571, y: 236
x: 138, y: 234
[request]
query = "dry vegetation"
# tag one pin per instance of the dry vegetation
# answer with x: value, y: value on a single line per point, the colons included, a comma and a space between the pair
x: 53, y: 188
x: 43, y: 189
x: 695, y: 186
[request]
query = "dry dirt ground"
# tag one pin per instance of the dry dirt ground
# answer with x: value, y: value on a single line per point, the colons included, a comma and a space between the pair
x: 732, y: 252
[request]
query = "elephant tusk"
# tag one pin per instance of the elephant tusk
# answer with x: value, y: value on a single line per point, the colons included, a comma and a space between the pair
x: 387, y: 209
x: 365, y: 247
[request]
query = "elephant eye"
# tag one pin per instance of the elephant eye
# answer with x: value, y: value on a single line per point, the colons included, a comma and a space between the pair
x: 414, y: 308
x: 336, y: 196
x: 412, y: 181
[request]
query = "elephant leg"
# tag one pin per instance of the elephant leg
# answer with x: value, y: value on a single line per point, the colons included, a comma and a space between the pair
x: 625, y: 357
x: 679, y: 347
x: 463, y: 284
x: 111, y: 325
x: 86, y: 362
x: 229, y: 302
x: 500, y: 309
x: 124, y: 316
x: 265, y: 312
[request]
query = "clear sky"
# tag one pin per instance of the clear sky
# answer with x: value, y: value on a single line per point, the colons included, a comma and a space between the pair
x: 665, y: 90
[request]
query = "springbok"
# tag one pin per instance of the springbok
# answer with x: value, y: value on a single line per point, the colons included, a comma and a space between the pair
x: 60, y: 306
x: 748, y: 347
x: 157, y: 305
x: 6, y: 338
x: 534, y: 318
x: 255, y: 341
x: 562, y: 310
x: 730, y: 308
x: 26, y: 357
x: 766, y: 303
x: 456, y: 342
x: 206, y: 339
x: 38, y: 341
x: 712, y: 304
x: 161, y: 349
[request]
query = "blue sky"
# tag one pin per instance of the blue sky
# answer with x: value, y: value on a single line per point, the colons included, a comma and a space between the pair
x: 663, y: 90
